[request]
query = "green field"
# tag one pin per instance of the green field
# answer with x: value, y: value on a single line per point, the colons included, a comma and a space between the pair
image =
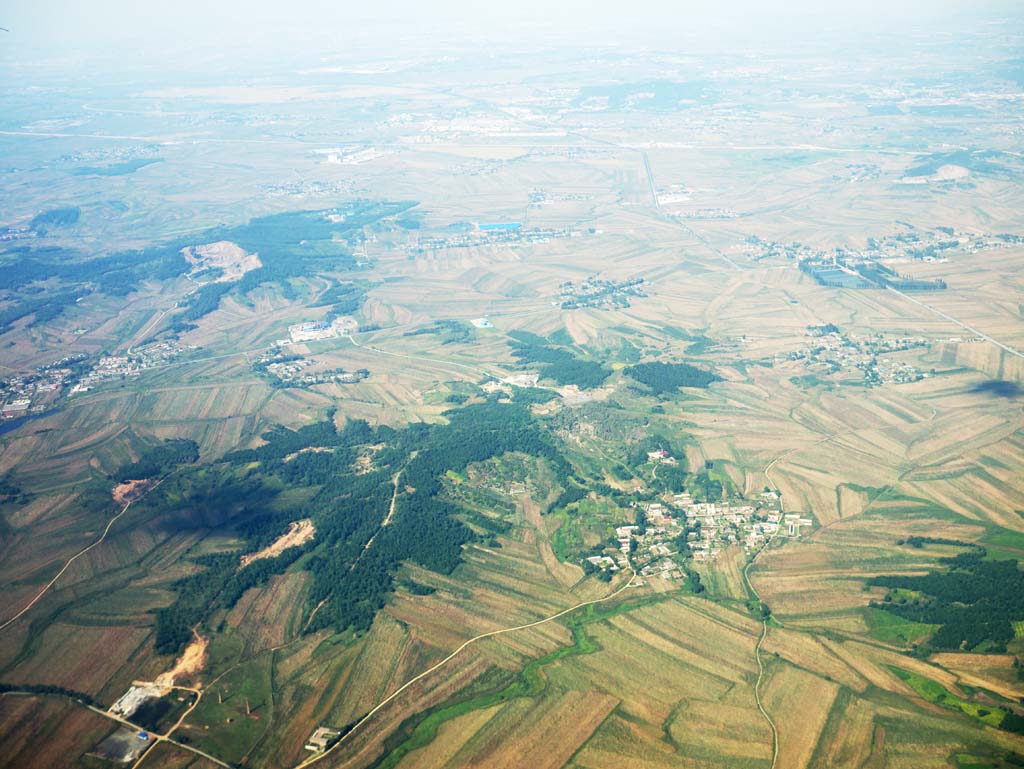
x: 892, y: 629
x: 936, y: 693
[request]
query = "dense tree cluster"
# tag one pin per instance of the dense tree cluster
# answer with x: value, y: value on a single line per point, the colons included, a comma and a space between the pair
x: 218, y: 583
x: 42, y: 308
x: 159, y: 460
x: 572, y: 493
x: 975, y: 601
x: 342, y: 298
x: 290, y: 245
x: 204, y: 300
x: 919, y: 542
x: 664, y: 378
x: 295, y: 245
x: 556, y: 363
x: 351, y: 579
x: 115, y: 274
x: 450, y: 331
x: 55, y: 217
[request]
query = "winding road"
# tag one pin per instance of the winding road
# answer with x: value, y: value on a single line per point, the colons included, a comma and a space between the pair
x: 753, y: 591
x: 764, y: 620
x: 74, y: 558
x: 391, y: 697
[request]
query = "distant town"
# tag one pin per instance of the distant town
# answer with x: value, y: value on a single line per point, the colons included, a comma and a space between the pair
x: 507, y: 234
x: 40, y: 390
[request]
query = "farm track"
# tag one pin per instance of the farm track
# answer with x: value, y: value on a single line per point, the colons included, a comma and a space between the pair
x: 753, y: 591
x: 764, y: 620
x: 387, y: 700
x: 166, y: 737
x: 74, y: 558
x: 369, y: 542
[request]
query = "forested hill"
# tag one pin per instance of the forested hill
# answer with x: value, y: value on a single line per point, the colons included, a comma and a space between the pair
x: 290, y: 245
x: 349, y: 502
x: 664, y: 378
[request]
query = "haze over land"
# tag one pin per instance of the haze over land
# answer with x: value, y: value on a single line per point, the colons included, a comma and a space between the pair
x: 557, y: 386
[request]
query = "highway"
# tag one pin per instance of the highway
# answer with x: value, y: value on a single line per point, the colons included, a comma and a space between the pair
x: 959, y: 323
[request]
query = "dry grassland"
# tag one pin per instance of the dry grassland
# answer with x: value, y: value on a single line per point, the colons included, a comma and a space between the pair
x: 100, y: 652
x: 47, y: 732
x: 786, y: 693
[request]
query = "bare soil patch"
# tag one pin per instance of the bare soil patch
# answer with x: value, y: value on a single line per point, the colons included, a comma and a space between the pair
x: 129, y: 491
x: 299, y: 533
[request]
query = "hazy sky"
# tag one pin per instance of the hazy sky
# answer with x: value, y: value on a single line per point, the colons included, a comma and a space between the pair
x: 175, y: 31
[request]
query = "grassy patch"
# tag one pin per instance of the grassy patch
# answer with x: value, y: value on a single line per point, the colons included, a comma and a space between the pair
x: 936, y: 693
x: 892, y: 629
x: 567, y: 539
x: 1004, y: 540
x: 236, y: 710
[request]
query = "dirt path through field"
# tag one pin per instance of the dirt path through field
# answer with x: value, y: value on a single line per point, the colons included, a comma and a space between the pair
x: 74, y: 558
x: 383, y: 703
x: 189, y: 663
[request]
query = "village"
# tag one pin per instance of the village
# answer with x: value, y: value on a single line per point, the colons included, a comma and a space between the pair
x: 36, y: 392
x: 706, y: 213
x: 666, y: 535
x: 539, y: 198
x: 835, y: 352
x: 597, y: 293
x: 670, y: 531
x: 131, y: 364
x: 505, y: 234
x: 293, y: 372
x: 915, y: 243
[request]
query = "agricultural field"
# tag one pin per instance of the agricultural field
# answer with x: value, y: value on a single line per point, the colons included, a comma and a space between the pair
x: 486, y: 413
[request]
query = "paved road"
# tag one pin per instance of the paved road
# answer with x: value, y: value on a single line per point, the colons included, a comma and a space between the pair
x: 123, y: 721
x: 959, y: 323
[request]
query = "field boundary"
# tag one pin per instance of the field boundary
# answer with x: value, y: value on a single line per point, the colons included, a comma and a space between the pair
x: 387, y: 700
x: 72, y: 559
